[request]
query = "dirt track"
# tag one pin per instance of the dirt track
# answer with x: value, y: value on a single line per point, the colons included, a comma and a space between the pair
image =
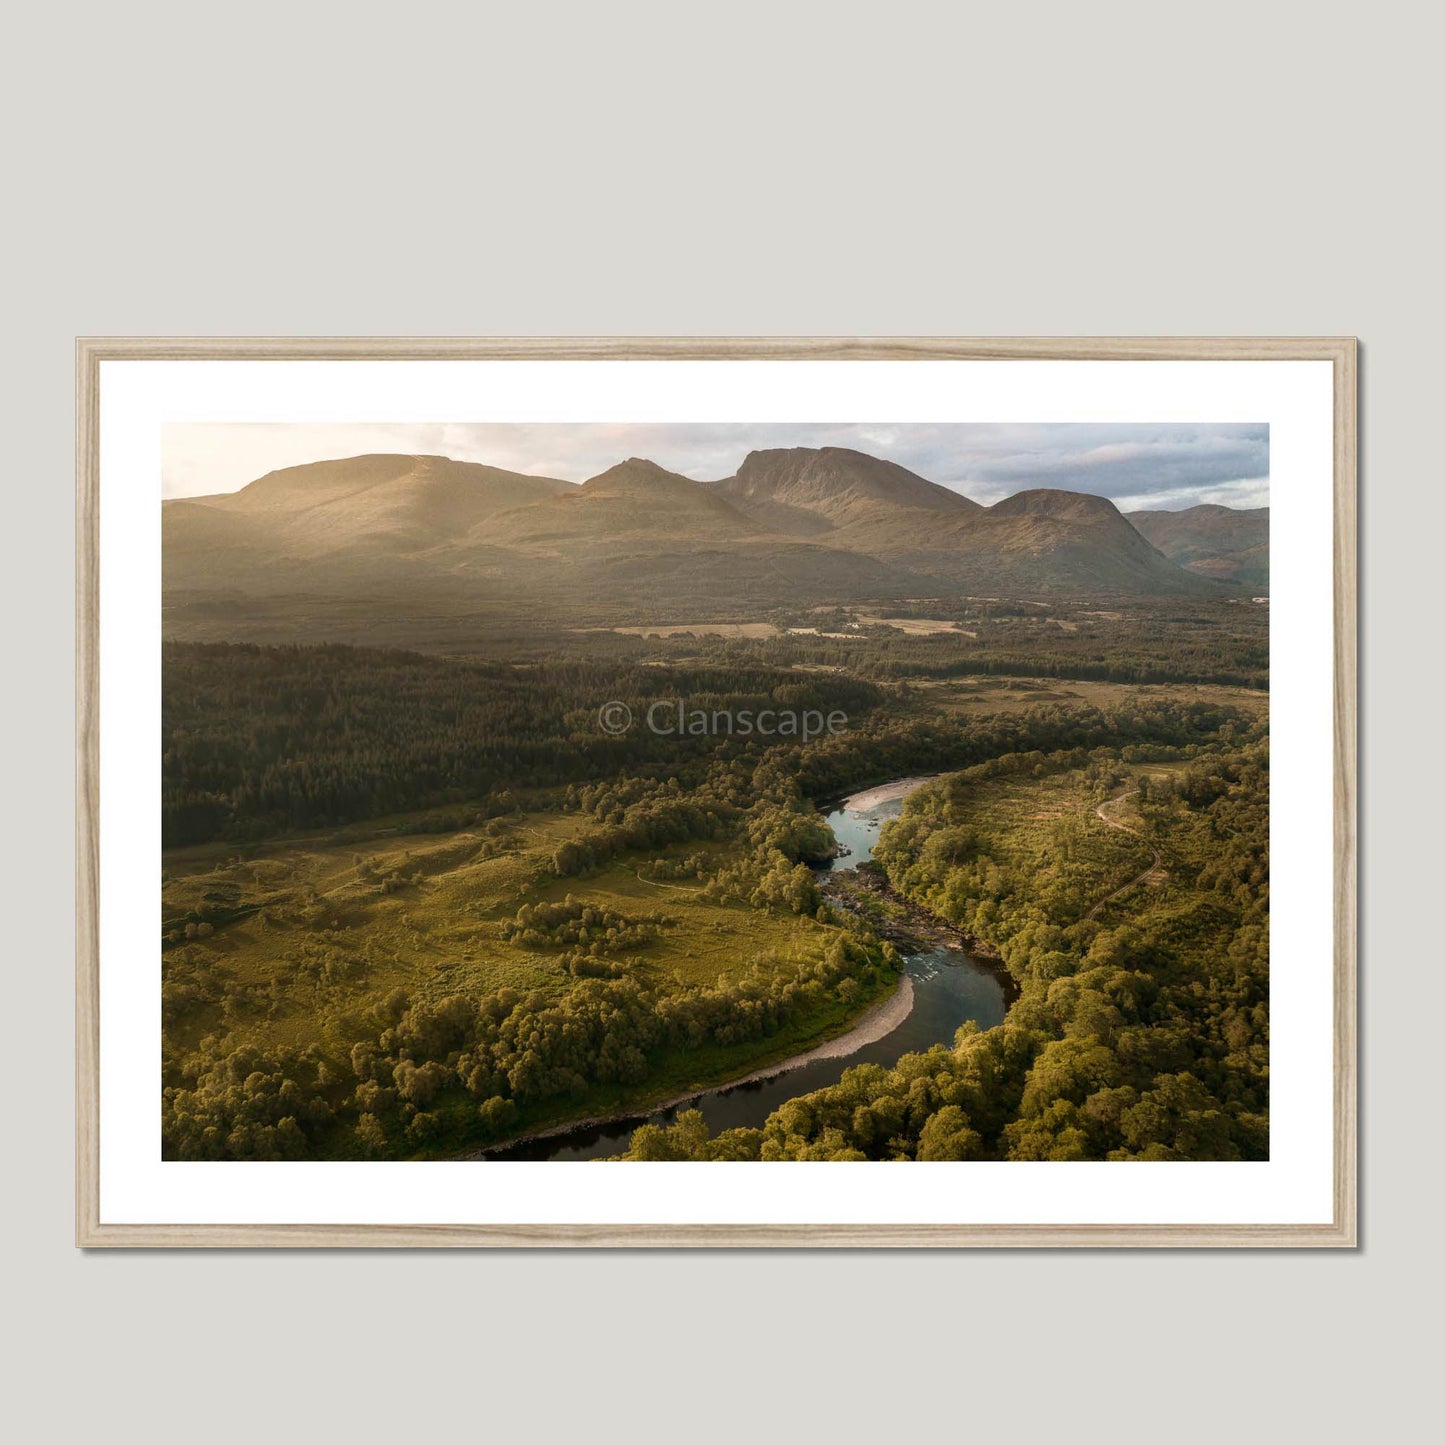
x: 1154, y: 870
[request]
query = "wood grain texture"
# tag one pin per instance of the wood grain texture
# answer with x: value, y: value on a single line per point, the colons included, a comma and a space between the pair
x: 1346, y: 1012
x: 714, y: 1236
x: 719, y: 348
x: 91, y: 1232
x: 87, y: 797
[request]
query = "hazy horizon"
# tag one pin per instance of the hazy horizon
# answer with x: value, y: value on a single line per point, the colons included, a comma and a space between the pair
x: 1167, y: 466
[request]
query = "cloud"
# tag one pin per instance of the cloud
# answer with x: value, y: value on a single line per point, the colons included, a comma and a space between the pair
x: 1137, y: 465
x: 1127, y: 463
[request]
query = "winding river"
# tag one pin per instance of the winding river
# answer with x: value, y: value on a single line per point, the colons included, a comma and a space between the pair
x: 948, y: 988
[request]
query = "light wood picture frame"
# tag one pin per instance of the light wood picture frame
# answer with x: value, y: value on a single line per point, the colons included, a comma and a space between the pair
x: 94, y: 1231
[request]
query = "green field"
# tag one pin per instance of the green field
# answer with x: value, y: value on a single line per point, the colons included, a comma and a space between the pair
x: 326, y: 932
x: 304, y: 945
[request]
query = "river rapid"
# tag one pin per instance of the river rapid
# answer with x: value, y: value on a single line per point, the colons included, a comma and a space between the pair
x: 948, y: 986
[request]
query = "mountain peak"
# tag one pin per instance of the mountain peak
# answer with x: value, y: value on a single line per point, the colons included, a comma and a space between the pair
x: 637, y: 472
x: 1230, y: 544
x: 1200, y: 509
x: 381, y: 499
x: 811, y: 489
x: 635, y: 498
x: 1060, y: 505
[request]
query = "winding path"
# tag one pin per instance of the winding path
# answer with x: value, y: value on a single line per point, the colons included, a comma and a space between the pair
x: 675, y: 887
x: 1155, y: 865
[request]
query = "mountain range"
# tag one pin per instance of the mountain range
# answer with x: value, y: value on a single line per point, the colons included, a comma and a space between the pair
x: 389, y: 534
x: 1228, y: 544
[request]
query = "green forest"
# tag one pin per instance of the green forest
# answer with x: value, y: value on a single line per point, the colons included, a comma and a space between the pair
x: 1140, y: 1031
x: 413, y: 906
x: 264, y: 740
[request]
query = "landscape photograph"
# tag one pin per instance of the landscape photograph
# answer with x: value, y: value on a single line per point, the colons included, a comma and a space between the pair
x: 715, y: 792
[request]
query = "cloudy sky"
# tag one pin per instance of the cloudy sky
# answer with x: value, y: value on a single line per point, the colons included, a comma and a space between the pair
x: 1153, y: 465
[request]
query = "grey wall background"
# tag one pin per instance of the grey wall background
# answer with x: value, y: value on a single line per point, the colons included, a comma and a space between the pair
x: 788, y: 169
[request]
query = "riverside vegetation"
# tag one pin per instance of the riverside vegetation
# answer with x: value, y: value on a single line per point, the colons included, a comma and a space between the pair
x: 1141, y: 1029
x: 563, y: 924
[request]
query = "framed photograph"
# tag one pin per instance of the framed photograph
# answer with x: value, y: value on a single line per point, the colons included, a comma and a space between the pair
x: 719, y: 792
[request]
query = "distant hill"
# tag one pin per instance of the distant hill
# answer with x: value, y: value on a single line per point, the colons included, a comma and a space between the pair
x: 1043, y: 541
x: 1081, y: 543
x: 369, y: 509
x: 1226, y: 544
x: 380, y: 541
x: 804, y: 491
x: 636, y: 498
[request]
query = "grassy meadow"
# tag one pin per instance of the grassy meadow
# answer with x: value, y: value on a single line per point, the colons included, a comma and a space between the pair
x: 300, y: 944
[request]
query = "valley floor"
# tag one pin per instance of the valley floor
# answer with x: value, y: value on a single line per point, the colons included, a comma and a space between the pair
x: 313, y: 937
x: 645, y: 925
